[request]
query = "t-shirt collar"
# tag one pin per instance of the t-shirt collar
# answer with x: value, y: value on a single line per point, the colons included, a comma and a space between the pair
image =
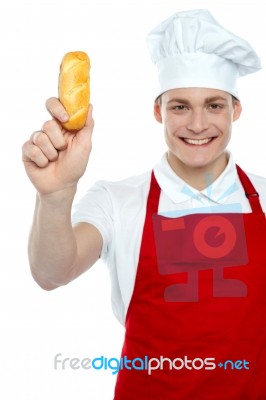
x: 179, y: 191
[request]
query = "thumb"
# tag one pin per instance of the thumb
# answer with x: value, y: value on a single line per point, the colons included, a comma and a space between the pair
x: 85, y: 133
x: 89, y: 124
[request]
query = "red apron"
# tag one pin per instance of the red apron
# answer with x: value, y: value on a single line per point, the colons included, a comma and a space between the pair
x: 199, y: 322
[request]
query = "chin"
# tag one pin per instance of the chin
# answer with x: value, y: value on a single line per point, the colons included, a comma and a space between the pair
x: 197, y: 163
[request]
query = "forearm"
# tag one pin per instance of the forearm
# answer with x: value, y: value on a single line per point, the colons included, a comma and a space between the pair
x: 52, y: 243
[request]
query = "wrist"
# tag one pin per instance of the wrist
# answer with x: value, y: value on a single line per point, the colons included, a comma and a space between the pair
x: 63, y: 197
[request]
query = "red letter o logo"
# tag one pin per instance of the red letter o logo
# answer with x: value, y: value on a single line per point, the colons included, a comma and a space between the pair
x: 225, y: 227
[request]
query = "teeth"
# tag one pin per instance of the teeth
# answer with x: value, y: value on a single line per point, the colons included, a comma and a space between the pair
x: 197, y: 141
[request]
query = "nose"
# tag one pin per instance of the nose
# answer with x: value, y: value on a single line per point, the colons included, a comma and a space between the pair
x: 198, y: 122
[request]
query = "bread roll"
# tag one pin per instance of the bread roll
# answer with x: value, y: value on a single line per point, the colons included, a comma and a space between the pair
x: 74, y: 88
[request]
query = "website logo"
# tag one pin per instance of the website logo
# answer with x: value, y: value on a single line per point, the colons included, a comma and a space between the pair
x: 146, y: 363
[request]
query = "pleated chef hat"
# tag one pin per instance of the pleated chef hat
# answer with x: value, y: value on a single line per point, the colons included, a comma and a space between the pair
x: 191, y: 49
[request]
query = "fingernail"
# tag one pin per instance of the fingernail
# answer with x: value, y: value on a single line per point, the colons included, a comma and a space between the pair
x: 63, y: 117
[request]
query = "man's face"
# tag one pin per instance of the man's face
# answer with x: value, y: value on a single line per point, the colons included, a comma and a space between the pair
x: 197, y: 126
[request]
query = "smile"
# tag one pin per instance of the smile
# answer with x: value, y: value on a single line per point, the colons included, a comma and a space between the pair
x: 198, y: 142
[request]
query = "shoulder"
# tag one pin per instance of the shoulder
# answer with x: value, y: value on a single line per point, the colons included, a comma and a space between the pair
x: 258, y: 181
x: 129, y: 186
x: 105, y: 195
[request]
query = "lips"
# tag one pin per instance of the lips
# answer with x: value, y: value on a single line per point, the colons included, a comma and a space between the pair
x: 198, y: 142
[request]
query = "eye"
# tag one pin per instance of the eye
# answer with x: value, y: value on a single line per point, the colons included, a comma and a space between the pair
x: 180, y: 108
x: 215, y: 106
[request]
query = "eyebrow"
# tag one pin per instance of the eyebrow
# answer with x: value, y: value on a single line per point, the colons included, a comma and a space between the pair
x: 181, y: 101
x: 215, y: 98
x: 206, y: 101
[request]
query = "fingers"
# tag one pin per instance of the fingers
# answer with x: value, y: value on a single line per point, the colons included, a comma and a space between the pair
x: 55, y: 135
x: 42, y: 141
x: 32, y: 153
x: 56, y: 109
x: 44, y: 146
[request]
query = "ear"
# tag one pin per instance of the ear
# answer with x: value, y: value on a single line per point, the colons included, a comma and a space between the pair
x: 237, y: 110
x: 157, y: 111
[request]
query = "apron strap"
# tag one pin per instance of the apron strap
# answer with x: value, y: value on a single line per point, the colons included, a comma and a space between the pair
x: 250, y: 191
x: 154, y: 196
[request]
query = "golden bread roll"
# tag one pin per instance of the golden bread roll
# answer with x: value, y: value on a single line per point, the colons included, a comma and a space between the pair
x: 74, y: 88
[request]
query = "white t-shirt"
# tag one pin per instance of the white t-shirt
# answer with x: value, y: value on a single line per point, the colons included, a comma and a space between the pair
x: 117, y: 209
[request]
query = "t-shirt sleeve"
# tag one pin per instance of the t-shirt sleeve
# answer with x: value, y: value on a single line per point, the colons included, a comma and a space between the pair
x: 95, y: 207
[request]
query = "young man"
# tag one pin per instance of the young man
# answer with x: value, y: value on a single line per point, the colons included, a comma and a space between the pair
x: 184, y: 243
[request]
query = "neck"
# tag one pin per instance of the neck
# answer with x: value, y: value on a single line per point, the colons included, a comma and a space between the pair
x: 198, y: 177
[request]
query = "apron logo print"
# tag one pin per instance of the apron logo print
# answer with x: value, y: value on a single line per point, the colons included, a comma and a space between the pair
x: 225, y: 229
x: 187, y: 245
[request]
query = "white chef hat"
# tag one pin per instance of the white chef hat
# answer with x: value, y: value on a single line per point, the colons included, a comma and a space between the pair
x: 191, y: 49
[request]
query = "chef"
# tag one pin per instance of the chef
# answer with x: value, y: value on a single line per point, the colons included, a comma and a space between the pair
x: 184, y: 243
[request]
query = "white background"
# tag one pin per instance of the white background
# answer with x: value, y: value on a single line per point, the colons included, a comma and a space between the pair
x: 77, y: 320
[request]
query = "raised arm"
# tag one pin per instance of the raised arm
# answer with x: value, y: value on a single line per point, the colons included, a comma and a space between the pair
x: 55, y: 160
